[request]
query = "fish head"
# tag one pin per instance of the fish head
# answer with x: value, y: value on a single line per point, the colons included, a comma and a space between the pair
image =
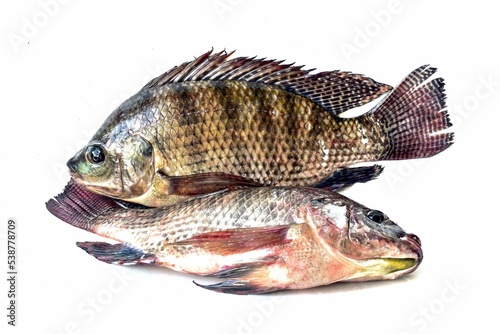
x: 120, y: 167
x: 365, y: 239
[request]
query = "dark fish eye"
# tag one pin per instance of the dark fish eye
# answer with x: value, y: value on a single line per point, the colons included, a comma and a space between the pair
x: 148, y: 151
x: 376, y: 216
x: 95, y: 154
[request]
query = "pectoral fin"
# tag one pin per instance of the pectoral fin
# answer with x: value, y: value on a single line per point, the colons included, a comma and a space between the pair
x: 240, y: 240
x: 199, y: 184
x: 167, y: 190
x: 346, y: 177
x: 117, y: 253
x: 205, y: 183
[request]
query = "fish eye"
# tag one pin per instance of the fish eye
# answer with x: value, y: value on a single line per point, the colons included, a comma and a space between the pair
x: 376, y: 216
x: 95, y: 154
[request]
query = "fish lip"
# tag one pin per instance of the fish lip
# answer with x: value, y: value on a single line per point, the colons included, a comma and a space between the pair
x: 415, y: 244
x: 71, y: 164
x: 76, y: 176
x: 414, y: 238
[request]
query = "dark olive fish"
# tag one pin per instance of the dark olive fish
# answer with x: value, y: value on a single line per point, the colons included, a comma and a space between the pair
x: 256, y: 240
x: 219, y: 123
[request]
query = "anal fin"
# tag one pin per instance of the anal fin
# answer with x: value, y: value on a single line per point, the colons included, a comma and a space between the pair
x: 245, y: 278
x: 270, y: 271
x: 237, y: 287
x: 346, y: 177
x: 117, y: 253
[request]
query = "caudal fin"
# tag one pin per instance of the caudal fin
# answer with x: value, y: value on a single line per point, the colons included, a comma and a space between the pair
x: 78, y: 206
x: 414, y: 116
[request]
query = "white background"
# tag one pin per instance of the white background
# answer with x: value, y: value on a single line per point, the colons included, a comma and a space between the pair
x: 66, y: 66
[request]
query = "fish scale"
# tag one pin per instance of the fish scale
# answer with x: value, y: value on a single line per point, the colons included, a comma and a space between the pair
x: 192, y: 158
x: 213, y: 214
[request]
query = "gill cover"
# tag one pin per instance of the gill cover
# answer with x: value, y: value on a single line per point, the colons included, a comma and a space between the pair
x: 137, y: 165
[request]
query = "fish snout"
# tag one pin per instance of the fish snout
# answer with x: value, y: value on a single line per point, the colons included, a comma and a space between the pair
x: 414, y: 238
x: 416, y: 245
x: 73, y: 165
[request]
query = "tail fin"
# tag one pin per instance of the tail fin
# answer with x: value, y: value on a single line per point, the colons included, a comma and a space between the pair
x: 413, y: 114
x: 78, y: 206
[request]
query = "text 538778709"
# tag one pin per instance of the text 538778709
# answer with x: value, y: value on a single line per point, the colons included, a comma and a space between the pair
x: 11, y: 272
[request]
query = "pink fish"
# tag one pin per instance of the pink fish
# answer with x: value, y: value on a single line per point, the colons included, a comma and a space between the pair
x: 256, y: 240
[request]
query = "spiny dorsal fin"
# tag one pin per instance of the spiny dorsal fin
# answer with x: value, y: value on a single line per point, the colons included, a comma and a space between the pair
x: 336, y: 91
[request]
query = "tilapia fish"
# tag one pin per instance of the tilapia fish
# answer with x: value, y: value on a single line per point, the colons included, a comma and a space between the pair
x: 220, y: 123
x: 256, y: 240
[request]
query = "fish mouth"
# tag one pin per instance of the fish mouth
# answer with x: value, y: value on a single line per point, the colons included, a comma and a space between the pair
x: 77, y: 177
x: 74, y: 170
x: 394, y: 265
x: 74, y: 173
x: 415, y: 245
x: 405, y: 265
x: 384, y: 268
x: 72, y: 165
